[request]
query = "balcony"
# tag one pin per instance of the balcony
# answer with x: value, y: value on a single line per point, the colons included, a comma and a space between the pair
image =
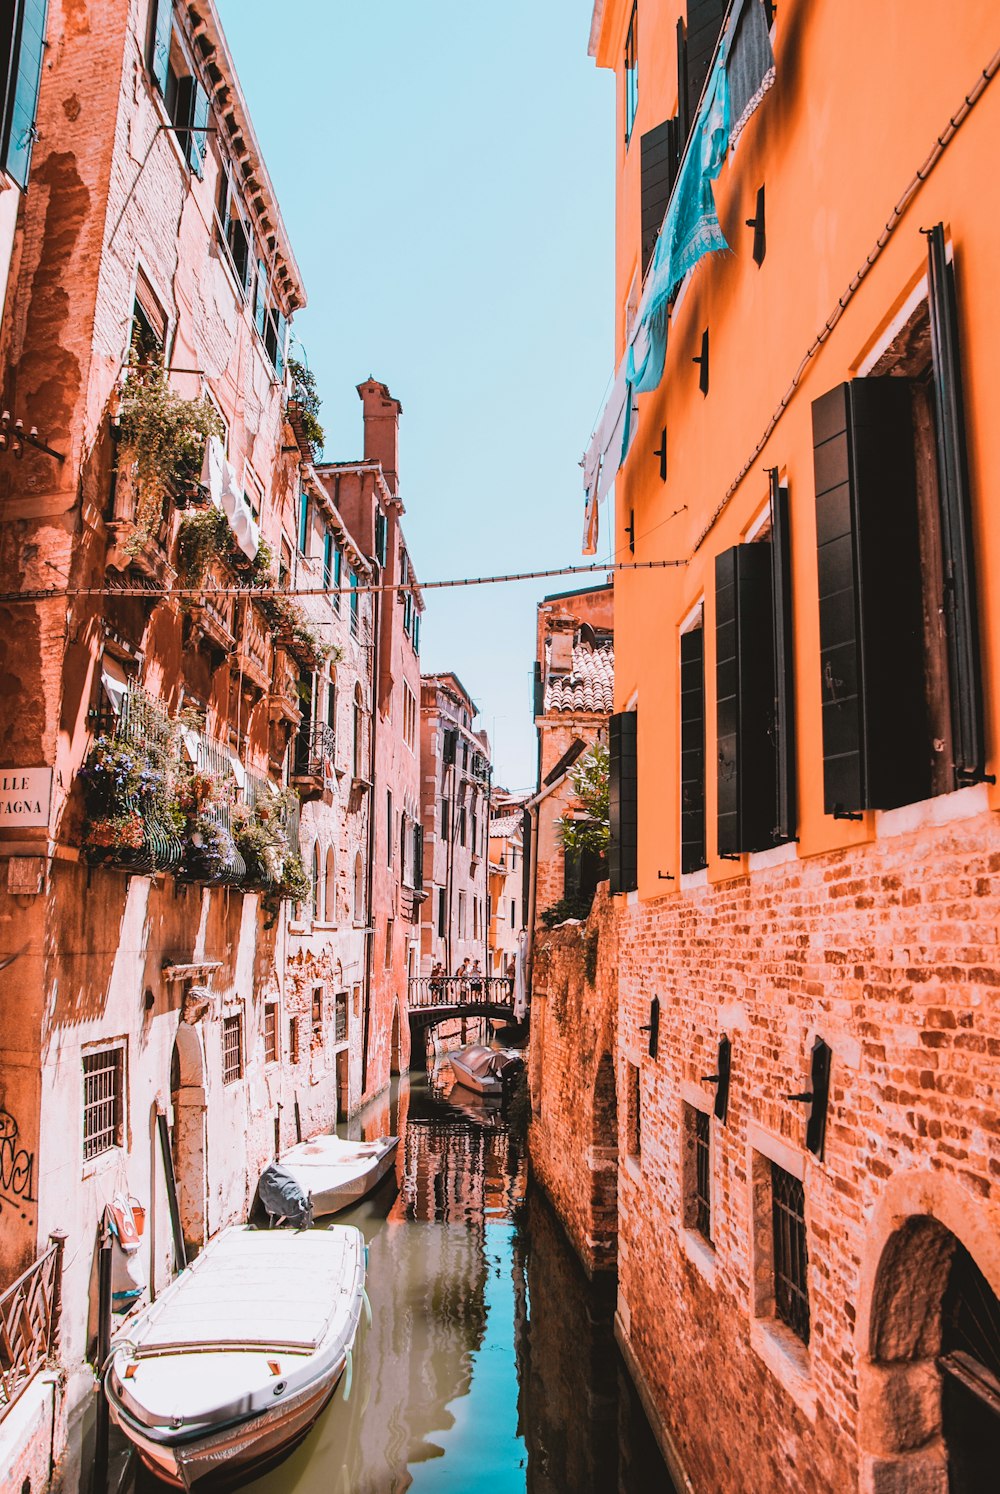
x: 284, y: 703
x: 314, y: 760
x: 129, y: 819
x: 211, y: 616
x: 254, y: 653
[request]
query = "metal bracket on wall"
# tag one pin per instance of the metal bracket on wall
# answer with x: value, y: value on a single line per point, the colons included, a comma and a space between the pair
x: 757, y: 224
x: 702, y: 361
x: 661, y: 452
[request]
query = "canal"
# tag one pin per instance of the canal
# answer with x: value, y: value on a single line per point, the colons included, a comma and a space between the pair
x: 490, y: 1363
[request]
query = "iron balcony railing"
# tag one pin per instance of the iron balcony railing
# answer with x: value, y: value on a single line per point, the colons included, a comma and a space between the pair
x: 460, y: 990
x: 315, y: 748
x: 30, y: 1311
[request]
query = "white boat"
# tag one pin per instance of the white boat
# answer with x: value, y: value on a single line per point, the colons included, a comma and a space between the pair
x: 231, y: 1366
x: 481, y: 1069
x: 337, y: 1173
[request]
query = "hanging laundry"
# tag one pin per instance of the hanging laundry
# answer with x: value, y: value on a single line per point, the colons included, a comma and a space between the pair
x: 750, y: 67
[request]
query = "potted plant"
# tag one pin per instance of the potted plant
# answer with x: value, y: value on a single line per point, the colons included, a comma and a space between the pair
x: 162, y: 439
x: 131, y: 816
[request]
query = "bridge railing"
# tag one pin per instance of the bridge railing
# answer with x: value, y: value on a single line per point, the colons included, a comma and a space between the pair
x: 30, y: 1310
x: 460, y: 990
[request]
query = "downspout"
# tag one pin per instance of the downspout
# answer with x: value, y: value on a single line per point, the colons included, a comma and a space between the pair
x: 370, y: 877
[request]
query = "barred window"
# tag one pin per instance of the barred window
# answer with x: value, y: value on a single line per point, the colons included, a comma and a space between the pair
x: 232, y: 1048
x: 270, y: 1032
x: 103, y: 1101
x: 700, y: 1204
x: 791, y: 1257
x: 340, y: 1018
x: 317, y: 1009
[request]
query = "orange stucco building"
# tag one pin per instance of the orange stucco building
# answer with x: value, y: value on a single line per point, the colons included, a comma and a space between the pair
x: 807, y: 711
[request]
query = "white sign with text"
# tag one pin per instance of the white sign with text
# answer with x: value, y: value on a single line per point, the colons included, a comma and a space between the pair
x: 25, y: 794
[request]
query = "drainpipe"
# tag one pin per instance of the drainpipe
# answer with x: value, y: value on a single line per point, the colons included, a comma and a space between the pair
x: 370, y: 878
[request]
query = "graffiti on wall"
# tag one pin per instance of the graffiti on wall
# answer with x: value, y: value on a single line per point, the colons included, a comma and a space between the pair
x: 17, y: 1166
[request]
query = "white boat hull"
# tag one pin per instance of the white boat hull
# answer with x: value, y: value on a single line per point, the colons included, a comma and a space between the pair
x: 478, y: 1068
x: 337, y: 1173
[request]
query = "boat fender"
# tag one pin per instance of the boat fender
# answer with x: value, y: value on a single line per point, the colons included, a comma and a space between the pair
x: 367, y: 1305
x: 348, y: 1375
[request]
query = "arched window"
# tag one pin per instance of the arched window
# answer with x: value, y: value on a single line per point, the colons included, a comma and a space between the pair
x: 317, y: 902
x: 359, y: 890
x: 329, y: 890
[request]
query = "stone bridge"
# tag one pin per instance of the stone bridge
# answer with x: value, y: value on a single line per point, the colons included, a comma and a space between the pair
x: 433, y: 999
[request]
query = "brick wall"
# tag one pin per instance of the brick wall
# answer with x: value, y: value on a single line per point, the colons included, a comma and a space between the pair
x: 887, y: 951
x: 573, y: 1131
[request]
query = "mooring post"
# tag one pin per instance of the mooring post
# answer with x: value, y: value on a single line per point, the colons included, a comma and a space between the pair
x: 103, y: 1351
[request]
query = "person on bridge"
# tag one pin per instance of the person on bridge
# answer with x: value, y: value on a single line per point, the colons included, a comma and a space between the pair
x: 462, y: 976
x: 437, y: 981
x: 476, y: 978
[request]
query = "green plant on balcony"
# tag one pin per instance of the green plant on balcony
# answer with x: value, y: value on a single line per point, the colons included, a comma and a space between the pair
x: 208, y: 536
x: 262, y: 834
x: 132, y: 818
x: 163, y: 436
x: 294, y: 885
x: 306, y: 398
x: 587, y: 826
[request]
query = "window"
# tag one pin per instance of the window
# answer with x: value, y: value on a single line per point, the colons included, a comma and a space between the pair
x: 461, y: 915
x: 331, y: 703
x: 22, y: 43
x: 513, y: 913
x: 416, y: 632
x: 631, y: 72
x: 445, y: 807
x: 698, y: 1171
x: 317, y: 1011
x: 270, y: 1032
x: 149, y: 325
x: 388, y: 827
x: 692, y: 681
x: 293, y: 1039
x: 304, y: 522
x: 340, y: 1017
x: 357, y: 744
x: 338, y: 565
x: 633, y: 1137
x: 232, y: 1048
x: 359, y: 890
x: 409, y: 717
x: 418, y: 855
x: 474, y: 842
x: 381, y: 537
x: 103, y: 1101
x: 461, y: 824
x: 317, y: 888
x: 389, y: 925
x: 355, y: 612
x: 622, y: 800
x: 791, y: 1256
x: 475, y: 918
x: 442, y: 913
x: 328, y: 548
x: 330, y: 889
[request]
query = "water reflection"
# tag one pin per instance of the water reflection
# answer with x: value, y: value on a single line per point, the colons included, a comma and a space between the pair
x: 490, y: 1362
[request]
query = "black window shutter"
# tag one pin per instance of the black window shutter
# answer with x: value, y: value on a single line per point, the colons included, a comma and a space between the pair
x: 692, y: 750
x: 961, y: 609
x: 418, y: 856
x: 159, y: 46
x: 450, y: 744
x: 704, y: 26
x: 538, y: 701
x: 683, y: 112
x: 658, y: 167
x: 623, y: 802
x: 785, y: 789
x: 744, y: 626
x: 875, y: 749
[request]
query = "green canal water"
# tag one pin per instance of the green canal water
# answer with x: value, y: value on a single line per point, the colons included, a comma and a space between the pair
x: 490, y: 1364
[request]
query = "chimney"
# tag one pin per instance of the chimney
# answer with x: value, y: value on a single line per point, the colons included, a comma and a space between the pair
x: 381, y: 417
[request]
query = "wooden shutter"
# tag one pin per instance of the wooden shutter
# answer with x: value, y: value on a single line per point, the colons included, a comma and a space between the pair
x: 744, y: 628
x: 875, y: 748
x: 704, y: 26
x: 24, y: 80
x: 449, y: 746
x: 683, y: 112
x: 159, y: 45
x: 658, y: 167
x: 785, y: 783
x: 960, y: 597
x: 692, y: 750
x: 623, y: 802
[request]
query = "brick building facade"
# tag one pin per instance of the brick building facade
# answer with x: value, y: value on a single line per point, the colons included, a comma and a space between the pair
x: 805, y: 876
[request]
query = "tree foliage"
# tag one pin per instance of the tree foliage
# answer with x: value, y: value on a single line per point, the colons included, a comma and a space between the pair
x: 588, y: 827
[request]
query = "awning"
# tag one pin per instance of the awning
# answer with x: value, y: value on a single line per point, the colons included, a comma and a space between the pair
x: 114, y: 682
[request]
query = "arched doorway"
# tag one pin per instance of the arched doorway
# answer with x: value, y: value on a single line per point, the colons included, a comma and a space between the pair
x: 934, y: 1400
x: 395, y: 1042
x: 189, y: 1139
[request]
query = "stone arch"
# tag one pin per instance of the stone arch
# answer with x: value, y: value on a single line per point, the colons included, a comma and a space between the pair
x: 189, y: 1136
x: 930, y: 1362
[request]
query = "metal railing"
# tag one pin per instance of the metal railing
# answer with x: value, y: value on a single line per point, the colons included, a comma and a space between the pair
x: 315, y: 751
x: 460, y: 990
x: 30, y: 1310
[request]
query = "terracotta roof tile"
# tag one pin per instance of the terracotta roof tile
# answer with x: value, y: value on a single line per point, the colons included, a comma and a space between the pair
x: 589, y: 686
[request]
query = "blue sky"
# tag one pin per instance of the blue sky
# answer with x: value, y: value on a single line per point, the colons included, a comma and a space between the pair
x: 445, y: 172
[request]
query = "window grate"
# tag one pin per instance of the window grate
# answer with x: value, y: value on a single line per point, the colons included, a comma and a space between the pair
x: 702, y: 1173
x: 791, y: 1257
x: 102, y: 1101
x: 340, y: 1018
x: 232, y: 1048
x: 270, y: 1032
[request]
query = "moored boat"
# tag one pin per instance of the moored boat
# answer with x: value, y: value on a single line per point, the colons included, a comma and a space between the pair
x: 231, y: 1366
x: 484, y: 1069
x: 335, y: 1173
